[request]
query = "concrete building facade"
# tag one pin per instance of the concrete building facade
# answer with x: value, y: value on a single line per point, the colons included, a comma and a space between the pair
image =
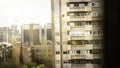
x: 77, y: 33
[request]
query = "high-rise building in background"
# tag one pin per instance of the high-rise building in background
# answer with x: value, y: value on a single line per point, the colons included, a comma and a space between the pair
x: 47, y: 32
x: 77, y: 33
x: 31, y: 34
x: 34, y: 33
x: 10, y: 34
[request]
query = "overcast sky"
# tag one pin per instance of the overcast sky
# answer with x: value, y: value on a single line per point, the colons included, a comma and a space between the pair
x: 25, y: 11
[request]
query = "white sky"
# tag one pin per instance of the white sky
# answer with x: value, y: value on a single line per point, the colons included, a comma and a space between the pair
x: 25, y: 11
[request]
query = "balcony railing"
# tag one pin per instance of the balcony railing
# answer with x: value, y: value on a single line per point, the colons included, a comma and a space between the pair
x: 83, y: 8
x: 81, y: 18
x: 78, y: 65
x: 77, y: 37
x: 78, y: 56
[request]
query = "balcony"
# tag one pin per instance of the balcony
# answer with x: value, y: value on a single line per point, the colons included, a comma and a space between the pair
x: 79, y: 0
x: 77, y: 33
x: 89, y: 66
x: 81, y: 18
x: 84, y: 8
x: 90, y: 37
x: 78, y: 56
x: 89, y: 56
x: 77, y: 37
x: 77, y: 47
x: 78, y: 66
x: 88, y: 27
x: 77, y: 28
x: 89, y: 46
x: 96, y: 18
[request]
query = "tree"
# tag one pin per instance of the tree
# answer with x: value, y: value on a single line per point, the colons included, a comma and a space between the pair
x: 21, y: 56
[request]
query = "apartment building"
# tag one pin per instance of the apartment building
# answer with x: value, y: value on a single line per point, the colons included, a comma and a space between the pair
x: 77, y: 33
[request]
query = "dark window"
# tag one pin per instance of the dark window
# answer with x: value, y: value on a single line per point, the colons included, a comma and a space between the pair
x: 65, y: 61
x: 64, y: 52
x: 89, y: 61
x: 57, y: 52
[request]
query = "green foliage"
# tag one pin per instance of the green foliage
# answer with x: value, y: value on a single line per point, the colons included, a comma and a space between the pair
x: 41, y: 66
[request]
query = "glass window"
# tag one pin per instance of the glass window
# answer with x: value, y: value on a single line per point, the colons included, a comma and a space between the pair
x: 95, y: 33
x: 82, y: 52
x: 81, y: 5
x: 64, y: 52
x: 65, y: 61
x: 57, y: 43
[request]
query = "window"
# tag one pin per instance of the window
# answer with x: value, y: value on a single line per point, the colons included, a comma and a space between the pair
x: 69, y: 61
x: 57, y: 61
x: 57, y: 43
x: 97, y: 61
x: 57, y: 52
x: 83, y: 42
x: 82, y: 14
x: 72, y: 24
x: 82, y: 52
x: 71, y: 5
x: 89, y: 61
x: 89, y: 52
x: 97, y: 51
x: 88, y: 32
x: 78, y: 51
x: 95, y: 33
x: 81, y: 5
x: 89, y: 41
x: 65, y: 61
x: 78, y: 61
x: 57, y: 33
x: 100, y: 33
x: 88, y: 23
x: 80, y: 23
x: 64, y: 52
x: 68, y: 32
x: 97, y: 42
x: 95, y: 13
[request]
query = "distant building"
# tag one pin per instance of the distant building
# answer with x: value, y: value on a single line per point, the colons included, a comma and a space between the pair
x: 31, y: 34
x: 34, y: 33
x: 8, y: 33
x: 47, y: 31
